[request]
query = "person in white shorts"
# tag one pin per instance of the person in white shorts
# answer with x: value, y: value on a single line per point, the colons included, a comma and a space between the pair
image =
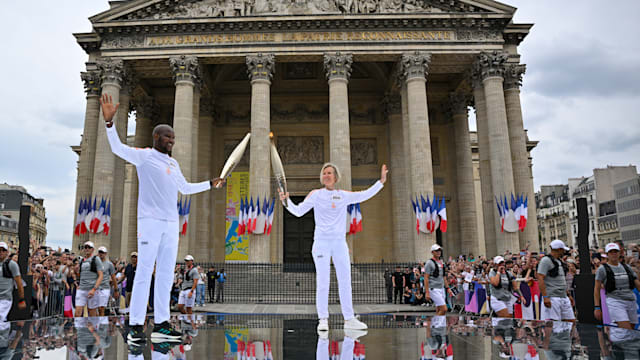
x: 558, y: 303
x: 188, y: 286
x: 434, y: 283
x: 329, y: 239
x: 160, y: 179
x: 10, y: 276
x: 503, y: 285
x: 618, y: 280
x: 90, y: 279
x: 108, y: 281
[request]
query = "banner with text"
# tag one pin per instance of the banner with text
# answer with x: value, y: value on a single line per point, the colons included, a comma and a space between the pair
x: 236, y: 248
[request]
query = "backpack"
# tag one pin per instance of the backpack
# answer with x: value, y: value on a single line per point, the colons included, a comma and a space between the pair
x: 187, y: 274
x: 610, y: 285
x: 436, y: 272
x: 556, y: 268
x: 6, y: 271
x: 94, y: 265
x: 510, y: 282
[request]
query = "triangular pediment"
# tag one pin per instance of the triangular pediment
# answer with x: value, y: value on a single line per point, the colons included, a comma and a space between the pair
x: 134, y: 10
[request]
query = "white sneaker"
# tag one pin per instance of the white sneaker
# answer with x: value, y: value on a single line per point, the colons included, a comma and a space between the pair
x: 323, y: 325
x: 354, y: 334
x: 355, y: 324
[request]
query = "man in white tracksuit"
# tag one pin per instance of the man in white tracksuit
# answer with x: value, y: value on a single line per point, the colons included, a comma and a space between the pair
x: 160, y: 180
x: 329, y: 240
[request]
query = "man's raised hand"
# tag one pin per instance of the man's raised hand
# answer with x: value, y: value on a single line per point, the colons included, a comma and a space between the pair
x: 108, y: 109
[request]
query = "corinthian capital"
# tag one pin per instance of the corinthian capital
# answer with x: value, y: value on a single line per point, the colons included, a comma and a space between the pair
x: 338, y: 65
x: 513, y: 75
x: 491, y: 64
x: 185, y: 68
x: 459, y: 101
x: 261, y: 66
x: 92, y: 82
x: 112, y: 71
x: 414, y: 65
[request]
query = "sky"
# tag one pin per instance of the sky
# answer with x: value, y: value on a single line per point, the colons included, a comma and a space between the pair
x: 580, y: 94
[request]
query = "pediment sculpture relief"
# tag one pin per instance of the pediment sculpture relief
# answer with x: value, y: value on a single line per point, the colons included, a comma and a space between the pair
x: 226, y: 8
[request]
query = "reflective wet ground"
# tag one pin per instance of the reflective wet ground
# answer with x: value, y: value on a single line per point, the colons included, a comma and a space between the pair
x: 262, y: 337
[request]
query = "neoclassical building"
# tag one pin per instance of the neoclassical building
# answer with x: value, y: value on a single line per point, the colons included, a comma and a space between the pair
x: 358, y: 83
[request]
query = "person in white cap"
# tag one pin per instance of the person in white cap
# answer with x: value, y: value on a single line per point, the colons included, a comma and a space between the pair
x: 108, y: 281
x: 10, y: 277
x: 503, y: 285
x: 91, y: 273
x: 329, y: 239
x: 160, y: 180
x: 618, y: 280
x: 434, y: 283
x: 558, y: 303
x: 187, y: 297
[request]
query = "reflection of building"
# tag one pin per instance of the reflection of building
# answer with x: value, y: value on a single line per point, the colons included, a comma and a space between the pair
x: 552, y: 202
x: 14, y: 196
x: 8, y: 230
x: 628, y: 209
x: 347, y: 89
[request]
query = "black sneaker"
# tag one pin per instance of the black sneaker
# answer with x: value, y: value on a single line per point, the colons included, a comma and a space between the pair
x: 164, y: 332
x: 136, y: 335
x: 164, y: 347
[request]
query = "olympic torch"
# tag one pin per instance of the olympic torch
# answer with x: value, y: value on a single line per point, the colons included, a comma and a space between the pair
x: 278, y: 169
x: 234, y: 158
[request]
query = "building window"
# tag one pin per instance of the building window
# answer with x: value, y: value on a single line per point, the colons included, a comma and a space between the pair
x: 593, y: 225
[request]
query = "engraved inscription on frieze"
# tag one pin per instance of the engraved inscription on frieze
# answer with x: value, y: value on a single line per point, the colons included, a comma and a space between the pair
x: 297, y: 150
x: 229, y: 145
x: 364, y: 152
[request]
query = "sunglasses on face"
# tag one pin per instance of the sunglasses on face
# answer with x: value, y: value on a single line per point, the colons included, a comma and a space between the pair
x: 87, y: 247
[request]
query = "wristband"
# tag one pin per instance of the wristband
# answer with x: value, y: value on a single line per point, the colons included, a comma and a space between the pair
x: 597, y: 308
x: 109, y: 123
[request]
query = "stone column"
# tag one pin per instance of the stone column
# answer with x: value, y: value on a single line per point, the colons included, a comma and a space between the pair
x: 414, y: 70
x: 197, y: 200
x: 186, y: 74
x: 117, y: 200
x: 401, y: 210
x: 92, y: 81
x: 112, y: 73
x: 492, y: 72
x: 338, y: 71
x: 465, y: 193
x: 261, y: 68
x: 486, y: 191
x: 144, y: 106
x: 204, y: 246
x: 522, y: 177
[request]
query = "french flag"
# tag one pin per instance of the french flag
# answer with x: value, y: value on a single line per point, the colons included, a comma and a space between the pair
x: 89, y: 217
x: 97, y: 218
x: 358, y: 219
x: 273, y: 202
x: 422, y: 354
x: 180, y: 215
x: 250, y: 217
x: 353, y: 221
x: 79, y: 218
x: 416, y: 210
x: 254, y: 216
x: 425, y: 221
x: 434, y: 214
x: 102, y: 218
x: 525, y: 213
x: 443, y: 216
x: 240, y: 218
x: 107, y: 219
x: 501, y: 215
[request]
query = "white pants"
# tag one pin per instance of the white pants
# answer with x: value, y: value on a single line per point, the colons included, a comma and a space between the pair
x: 82, y: 299
x: 346, y: 353
x: 104, y: 295
x: 560, y: 309
x: 323, y: 251
x: 185, y: 300
x: 157, y: 243
x: 5, y: 307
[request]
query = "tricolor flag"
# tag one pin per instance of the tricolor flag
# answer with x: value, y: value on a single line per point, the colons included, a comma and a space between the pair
x: 349, y: 228
x: 91, y: 212
x: 184, y: 218
x: 273, y: 202
x: 102, y: 218
x: 246, y: 217
x: 425, y: 215
x: 260, y: 218
x: 524, y: 214
x: 434, y: 214
x: 501, y: 215
x: 254, y: 216
x: 422, y: 354
x: 358, y: 218
x: 240, y: 218
x: 416, y: 210
x: 79, y: 218
x: 443, y: 216
x: 97, y: 218
x: 107, y: 219
x: 250, y: 217
x: 510, y: 221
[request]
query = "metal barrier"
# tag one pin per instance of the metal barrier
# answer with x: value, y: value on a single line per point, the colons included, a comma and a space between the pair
x: 296, y: 283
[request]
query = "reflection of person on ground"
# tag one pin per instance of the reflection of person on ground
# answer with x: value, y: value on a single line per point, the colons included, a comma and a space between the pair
x: 434, y: 283
x: 160, y: 180
x: 558, y: 303
x: 557, y: 340
x: 388, y: 285
x: 437, y: 336
x: 88, y: 339
x: 189, y: 284
x: 108, y: 281
x: 503, y: 334
x: 502, y: 286
x: 348, y: 345
x: 398, y: 285
x: 618, y: 280
x: 7, y: 283
x: 329, y: 239
x: 8, y: 341
x: 91, y: 270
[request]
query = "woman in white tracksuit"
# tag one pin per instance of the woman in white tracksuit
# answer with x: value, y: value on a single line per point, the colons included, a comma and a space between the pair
x: 329, y: 240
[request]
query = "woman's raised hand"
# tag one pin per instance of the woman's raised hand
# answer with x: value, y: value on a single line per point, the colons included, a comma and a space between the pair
x: 383, y: 173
